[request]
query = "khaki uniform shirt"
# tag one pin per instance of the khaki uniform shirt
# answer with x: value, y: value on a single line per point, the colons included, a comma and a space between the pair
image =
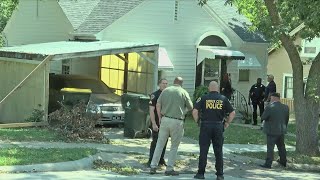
x: 175, y: 102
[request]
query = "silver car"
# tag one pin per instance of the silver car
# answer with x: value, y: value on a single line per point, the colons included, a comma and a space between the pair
x: 109, y: 107
x: 99, y: 97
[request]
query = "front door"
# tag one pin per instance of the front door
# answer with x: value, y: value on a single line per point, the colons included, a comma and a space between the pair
x: 211, y: 71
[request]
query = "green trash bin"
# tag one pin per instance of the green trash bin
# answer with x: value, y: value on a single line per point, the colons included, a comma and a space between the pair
x: 136, y: 121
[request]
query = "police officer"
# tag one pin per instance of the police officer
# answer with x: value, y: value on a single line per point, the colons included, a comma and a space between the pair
x: 256, y: 96
x: 155, y: 121
x: 214, y: 108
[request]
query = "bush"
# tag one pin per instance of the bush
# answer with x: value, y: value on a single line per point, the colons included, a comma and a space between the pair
x: 76, y: 123
x: 36, y: 116
x: 200, y: 91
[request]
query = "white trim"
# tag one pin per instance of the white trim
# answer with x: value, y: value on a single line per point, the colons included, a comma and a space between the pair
x: 284, y: 75
x: 215, y: 16
x: 214, y: 33
x: 291, y: 33
x: 20, y: 60
x: 297, y: 29
x: 214, y: 51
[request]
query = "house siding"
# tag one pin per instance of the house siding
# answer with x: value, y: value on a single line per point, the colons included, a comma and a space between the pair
x: 279, y: 65
x: 153, y: 21
x: 56, y: 67
x: 37, y: 24
x: 86, y: 66
x: 259, y: 50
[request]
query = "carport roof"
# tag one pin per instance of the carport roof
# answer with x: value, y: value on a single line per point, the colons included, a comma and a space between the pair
x: 74, y: 49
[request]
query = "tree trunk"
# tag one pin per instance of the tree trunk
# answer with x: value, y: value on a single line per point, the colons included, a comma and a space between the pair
x: 307, y: 128
x: 307, y: 124
x: 306, y: 109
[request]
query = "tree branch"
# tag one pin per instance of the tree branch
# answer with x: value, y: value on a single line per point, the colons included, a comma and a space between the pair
x: 288, y: 44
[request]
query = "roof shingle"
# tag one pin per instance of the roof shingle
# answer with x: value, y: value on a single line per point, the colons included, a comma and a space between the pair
x: 93, y: 16
x: 237, y: 22
x: 77, y: 10
x: 105, y: 13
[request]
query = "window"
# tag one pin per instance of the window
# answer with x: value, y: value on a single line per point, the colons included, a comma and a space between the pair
x: 244, y: 74
x: 211, y: 71
x: 66, y: 66
x: 311, y: 50
x: 288, y: 87
x: 65, y: 69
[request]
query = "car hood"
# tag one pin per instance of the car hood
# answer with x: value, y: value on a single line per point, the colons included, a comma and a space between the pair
x: 101, y: 99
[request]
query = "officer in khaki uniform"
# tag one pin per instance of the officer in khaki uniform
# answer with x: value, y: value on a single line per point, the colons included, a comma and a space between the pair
x: 214, y: 108
x: 172, y: 106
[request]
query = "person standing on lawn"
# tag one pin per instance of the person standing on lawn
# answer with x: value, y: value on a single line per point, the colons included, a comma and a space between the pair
x: 155, y: 124
x: 214, y: 108
x: 172, y: 105
x: 256, y: 96
x: 276, y: 117
x: 271, y: 88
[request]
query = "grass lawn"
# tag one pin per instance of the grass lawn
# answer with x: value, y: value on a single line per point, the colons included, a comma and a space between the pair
x: 29, y: 134
x: 292, y: 128
x: 24, y: 156
x: 292, y: 157
x: 234, y: 134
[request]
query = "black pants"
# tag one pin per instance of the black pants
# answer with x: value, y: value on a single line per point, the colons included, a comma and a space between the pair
x: 279, y: 141
x: 255, y: 107
x: 211, y: 133
x: 153, y: 147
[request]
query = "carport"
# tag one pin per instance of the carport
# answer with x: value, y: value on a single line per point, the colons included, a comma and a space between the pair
x: 24, y: 71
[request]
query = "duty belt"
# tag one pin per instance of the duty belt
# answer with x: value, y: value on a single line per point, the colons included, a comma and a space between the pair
x: 173, y: 118
x: 212, y: 122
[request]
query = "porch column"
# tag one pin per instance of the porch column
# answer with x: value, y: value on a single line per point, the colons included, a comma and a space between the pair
x: 126, y: 72
x: 223, y: 69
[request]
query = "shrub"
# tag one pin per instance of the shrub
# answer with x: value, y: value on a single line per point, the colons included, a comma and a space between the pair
x: 199, y: 91
x: 75, y: 123
x: 36, y: 116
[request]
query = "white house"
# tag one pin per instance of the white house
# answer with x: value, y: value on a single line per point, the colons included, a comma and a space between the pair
x: 194, y: 38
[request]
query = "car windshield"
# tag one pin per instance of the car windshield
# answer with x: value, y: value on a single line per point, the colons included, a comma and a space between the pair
x: 104, y: 98
x: 79, y: 82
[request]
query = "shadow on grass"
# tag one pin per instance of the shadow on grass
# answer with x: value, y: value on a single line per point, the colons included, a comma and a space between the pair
x: 235, y: 134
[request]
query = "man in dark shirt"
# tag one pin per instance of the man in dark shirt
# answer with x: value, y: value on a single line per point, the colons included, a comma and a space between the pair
x: 271, y: 88
x: 214, y: 108
x: 155, y: 121
x: 256, y: 96
x: 276, y: 117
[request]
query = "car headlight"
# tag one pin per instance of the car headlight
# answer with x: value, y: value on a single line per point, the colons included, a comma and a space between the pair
x: 120, y: 108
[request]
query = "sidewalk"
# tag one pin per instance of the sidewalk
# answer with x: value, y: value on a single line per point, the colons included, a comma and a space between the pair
x: 127, y: 152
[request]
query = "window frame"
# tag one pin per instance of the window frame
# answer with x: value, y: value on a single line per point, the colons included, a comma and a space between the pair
x: 244, y: 79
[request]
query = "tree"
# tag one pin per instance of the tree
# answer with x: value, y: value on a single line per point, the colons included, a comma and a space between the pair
x: 276, y: 18
x: 6, y: 9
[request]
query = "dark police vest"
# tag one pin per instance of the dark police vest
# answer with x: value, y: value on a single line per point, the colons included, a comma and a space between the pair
x: 213, y: 107
x: 257, y: 93
x: 153, y: 102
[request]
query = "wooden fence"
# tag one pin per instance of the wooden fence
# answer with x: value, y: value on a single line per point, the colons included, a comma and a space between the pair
x: 289, y: 102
